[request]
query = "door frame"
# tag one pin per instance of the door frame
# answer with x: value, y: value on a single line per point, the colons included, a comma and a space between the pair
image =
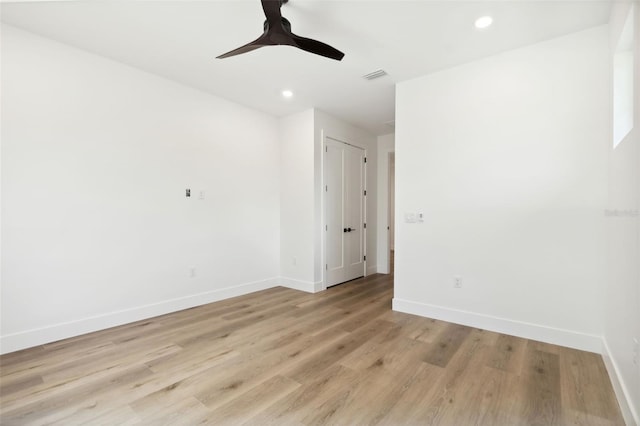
x: 323, y: 207
x: 384, y: 206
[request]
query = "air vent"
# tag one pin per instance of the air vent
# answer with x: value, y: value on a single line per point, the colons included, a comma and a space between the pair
x: 375, y: 74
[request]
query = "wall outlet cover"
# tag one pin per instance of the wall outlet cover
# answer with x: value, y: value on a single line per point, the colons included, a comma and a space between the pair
x: 457, y: 282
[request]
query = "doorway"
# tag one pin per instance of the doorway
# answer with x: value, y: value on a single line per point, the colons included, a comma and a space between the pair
x: 345, y: 215
x: 391, y: 206
x: 386, y: 203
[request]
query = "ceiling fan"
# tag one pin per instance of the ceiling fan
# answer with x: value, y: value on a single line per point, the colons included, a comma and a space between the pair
x: 277, y: 31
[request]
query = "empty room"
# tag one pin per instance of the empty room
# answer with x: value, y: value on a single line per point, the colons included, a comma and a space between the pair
x: 310, y: 212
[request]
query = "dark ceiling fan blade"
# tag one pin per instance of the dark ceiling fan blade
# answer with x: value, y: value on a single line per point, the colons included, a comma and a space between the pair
x: 317, y: 47
x: 272, y: 11
x: 277, y: 31
x: 244, y: 49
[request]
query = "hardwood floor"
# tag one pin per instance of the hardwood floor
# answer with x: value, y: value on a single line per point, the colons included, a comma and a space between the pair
x: 284, y: 357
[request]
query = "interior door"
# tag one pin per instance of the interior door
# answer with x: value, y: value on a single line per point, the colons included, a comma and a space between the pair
x: 344, y: 178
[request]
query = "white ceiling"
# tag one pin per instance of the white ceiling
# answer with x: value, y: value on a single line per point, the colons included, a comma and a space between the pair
x: 180, y: 39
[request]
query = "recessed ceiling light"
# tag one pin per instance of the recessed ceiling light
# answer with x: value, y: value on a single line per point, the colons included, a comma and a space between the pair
x: 483, y: 22
x: 287, y: 93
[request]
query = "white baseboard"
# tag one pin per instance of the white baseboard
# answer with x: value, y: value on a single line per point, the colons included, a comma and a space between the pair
x: 39, y: 336
x: 630, y: 413
x: 308, y: 286
x: 556, y: 336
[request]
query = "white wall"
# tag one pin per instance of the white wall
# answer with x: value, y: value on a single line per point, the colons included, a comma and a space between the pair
x: 386, y: 145
x: 297, y: 198
x: 622, y: 295
x: 506, y: 158
x: 328, y: 126
x: 96, y: 229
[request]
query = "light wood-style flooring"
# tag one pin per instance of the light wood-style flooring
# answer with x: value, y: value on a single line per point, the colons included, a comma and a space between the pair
x: 284, y: 357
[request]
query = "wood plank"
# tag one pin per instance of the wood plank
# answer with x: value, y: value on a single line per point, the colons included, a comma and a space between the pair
x: 259, y: 365
x: 508, y: 354
x: 187, y: 411
x: 416, y: 394
x: 307, y: 398
x: 447, y: 344
x: 585, y: 388
x: 24, y: 383
x: 255, y: 400
x: 542, y: 397
x: 375, y: 393
x: 445, y: 405
x: 319, y: 361
x: 121, y: 416
x: 41, y: 410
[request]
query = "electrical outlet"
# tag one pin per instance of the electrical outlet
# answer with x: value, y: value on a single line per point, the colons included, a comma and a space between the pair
x: 636, y: 351
x: 192, y: 271
x: 294, y: 261
x: 457, y: 281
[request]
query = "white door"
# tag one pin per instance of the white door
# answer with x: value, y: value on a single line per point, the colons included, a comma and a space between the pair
x: 344, y: 178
